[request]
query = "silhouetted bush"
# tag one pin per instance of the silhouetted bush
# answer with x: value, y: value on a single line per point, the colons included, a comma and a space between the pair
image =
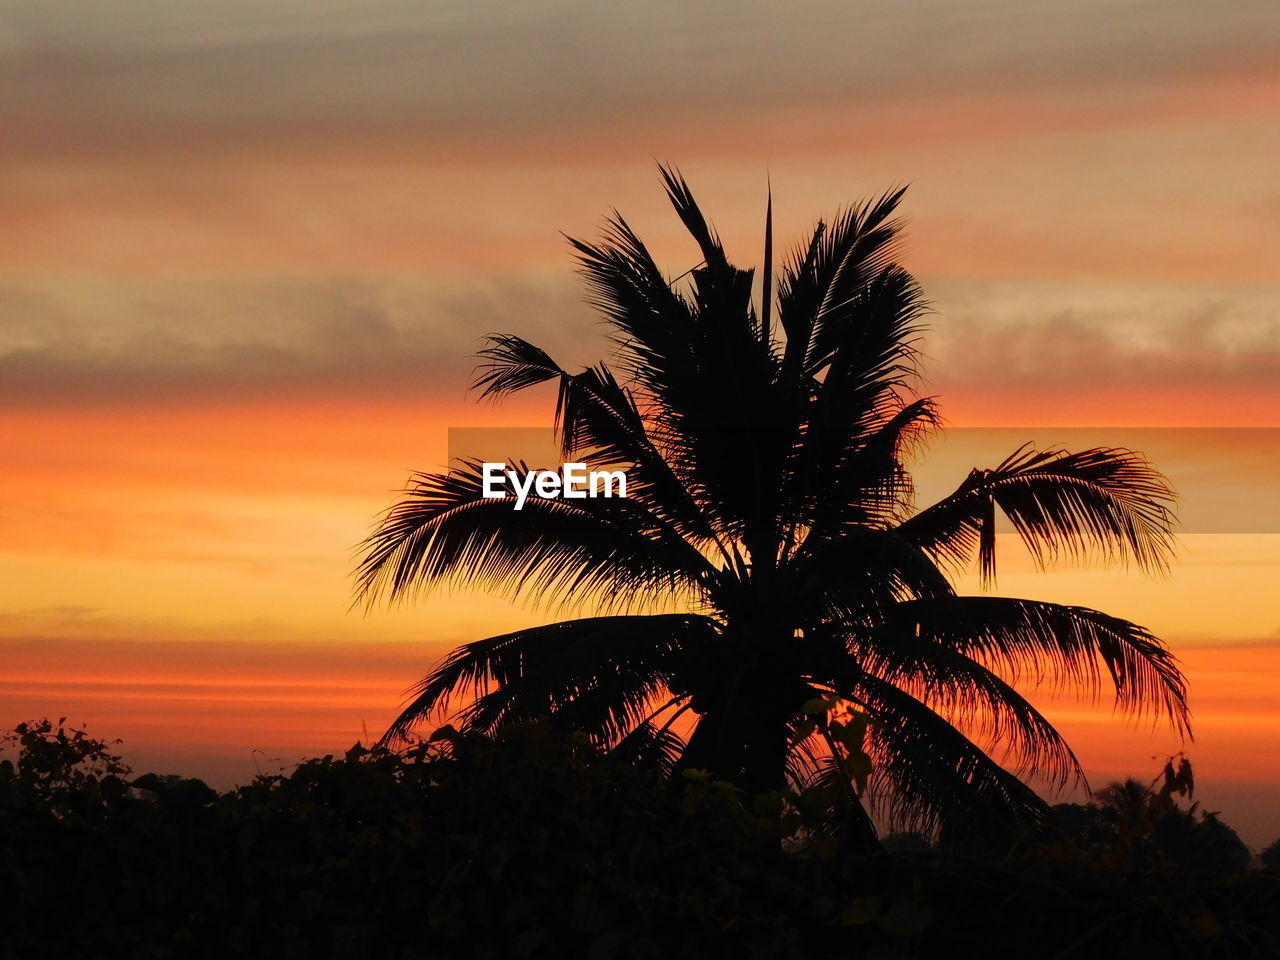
x: 1270, y: 857
x: 527, y: 846
x: 1137, y: 828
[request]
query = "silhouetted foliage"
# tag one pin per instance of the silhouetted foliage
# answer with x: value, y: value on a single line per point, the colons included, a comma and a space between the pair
x: 530, y: 844
x: 1132, y: 827
x: 770, y: 505
x: 1270, y: 857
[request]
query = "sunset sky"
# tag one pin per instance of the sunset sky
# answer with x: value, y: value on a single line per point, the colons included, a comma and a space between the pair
x: 248, y: 249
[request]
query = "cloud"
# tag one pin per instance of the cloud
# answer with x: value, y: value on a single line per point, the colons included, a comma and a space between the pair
x: 88, y: 342
x: 568, y: 63
x: 1018, y: 335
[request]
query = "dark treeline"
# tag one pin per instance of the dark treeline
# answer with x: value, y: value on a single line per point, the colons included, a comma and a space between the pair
x: 526, y: 845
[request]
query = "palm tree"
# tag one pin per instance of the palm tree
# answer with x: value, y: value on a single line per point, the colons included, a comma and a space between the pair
x: 770, y: 519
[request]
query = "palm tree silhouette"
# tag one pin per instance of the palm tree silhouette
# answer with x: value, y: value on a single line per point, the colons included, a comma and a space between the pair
x: 768, y: 499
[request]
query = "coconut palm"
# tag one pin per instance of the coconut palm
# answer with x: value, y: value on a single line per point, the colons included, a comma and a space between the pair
x: 768, y: 564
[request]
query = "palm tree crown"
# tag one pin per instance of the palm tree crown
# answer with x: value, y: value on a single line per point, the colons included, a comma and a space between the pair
x: 769, y: 504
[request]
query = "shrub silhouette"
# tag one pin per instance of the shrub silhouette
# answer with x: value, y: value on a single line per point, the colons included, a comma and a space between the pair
x: 1134, y: 827
x: 528, y: 844
x: 1270, y: 857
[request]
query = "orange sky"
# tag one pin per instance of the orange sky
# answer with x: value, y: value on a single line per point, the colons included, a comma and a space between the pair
x: 248, y: 251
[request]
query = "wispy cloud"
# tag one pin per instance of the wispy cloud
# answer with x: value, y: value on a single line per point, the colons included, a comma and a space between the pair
x: 561, y: 62
x: 1043, y: 336
x: 68, y: 343
x: 87, y: 342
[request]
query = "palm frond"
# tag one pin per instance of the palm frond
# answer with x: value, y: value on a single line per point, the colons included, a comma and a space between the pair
x: 839, y: 259
x: 971, y: 697
x: 445, y: 530
x: 1067, y: 646
x: 512, y: 364
x: 858, y: 477
x: 766, y: 277
x: 597, y: 672
x: 1105, y: 500
x: 650, y: 745
x: 926, y: 774
x: 691, y: 216
x: 627, y: 287
x: 705, y: 373
x: 598, y: 422
x: 864, y: 572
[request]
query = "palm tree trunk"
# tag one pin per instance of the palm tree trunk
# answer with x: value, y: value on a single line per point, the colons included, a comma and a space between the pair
x: 742, y: 736
x: 745, y: 743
